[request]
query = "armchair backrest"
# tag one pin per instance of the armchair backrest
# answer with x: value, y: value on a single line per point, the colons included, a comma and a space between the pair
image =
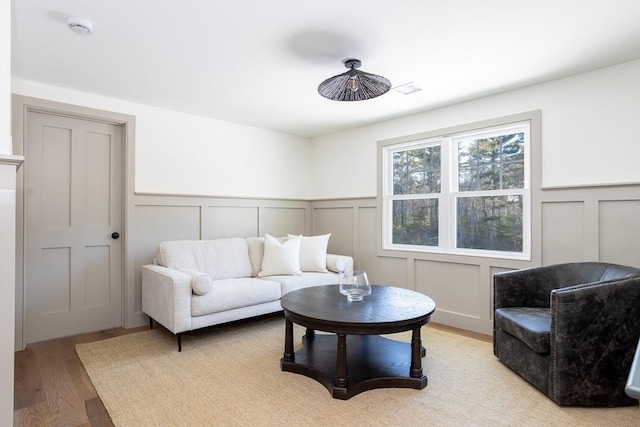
x: 578, y: 273
x: 531, y: 287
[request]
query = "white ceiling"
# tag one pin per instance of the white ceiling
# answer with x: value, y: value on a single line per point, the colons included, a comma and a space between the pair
x: 260, y: 62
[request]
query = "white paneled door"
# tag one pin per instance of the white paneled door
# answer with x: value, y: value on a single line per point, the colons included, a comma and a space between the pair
x: 73, y: 216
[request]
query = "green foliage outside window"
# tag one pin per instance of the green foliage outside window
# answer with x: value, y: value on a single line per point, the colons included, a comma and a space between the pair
x: 415, y: 222
x: 491, y: 163
x: 491, y: 223
x: 484, y: 194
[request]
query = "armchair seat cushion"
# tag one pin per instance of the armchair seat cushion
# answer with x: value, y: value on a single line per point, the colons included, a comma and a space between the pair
x: 531, y: 325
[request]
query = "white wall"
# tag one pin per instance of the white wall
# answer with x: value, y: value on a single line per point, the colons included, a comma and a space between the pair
x: 184, y: 154
x: 7, y: 222
x: 5, y: 78
x: 590, y: 133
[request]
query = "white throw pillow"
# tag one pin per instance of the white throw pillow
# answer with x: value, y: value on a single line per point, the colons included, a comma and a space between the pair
x: 201, y: 284
x: 280, y: 258
x: 313, y: 252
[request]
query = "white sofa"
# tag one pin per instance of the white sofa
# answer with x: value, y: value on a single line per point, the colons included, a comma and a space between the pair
x: 199, y: 283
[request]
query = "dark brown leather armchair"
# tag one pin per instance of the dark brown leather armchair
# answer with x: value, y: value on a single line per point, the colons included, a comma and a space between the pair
x: 570, y: 329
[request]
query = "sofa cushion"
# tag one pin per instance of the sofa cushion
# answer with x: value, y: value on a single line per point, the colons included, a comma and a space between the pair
x: 201, y: 284
x: 218, y: 259
x: 229, y: 294
x: 256, y: 253
x: 280, y: 257
x: 292, y: 283
x: 531, y: 325
x: 313, y: 252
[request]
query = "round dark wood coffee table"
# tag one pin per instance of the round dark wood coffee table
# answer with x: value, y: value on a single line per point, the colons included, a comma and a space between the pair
x: 356, y: 358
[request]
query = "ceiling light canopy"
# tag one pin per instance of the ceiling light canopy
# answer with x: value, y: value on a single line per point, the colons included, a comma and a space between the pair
x: 354, y: 85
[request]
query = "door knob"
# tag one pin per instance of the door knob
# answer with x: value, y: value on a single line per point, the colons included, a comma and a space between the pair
x: 115, y: 235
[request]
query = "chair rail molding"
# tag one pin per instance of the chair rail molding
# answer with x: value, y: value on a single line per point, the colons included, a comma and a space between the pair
x: 11, y: 160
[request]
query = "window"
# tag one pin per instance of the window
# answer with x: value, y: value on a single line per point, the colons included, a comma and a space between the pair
x: 461, y: 193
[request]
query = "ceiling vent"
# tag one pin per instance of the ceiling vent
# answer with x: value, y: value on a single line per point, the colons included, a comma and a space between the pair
x: 408, y: 88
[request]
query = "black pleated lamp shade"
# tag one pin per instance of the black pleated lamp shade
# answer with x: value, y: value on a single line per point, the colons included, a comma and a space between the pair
x: 354, y: 85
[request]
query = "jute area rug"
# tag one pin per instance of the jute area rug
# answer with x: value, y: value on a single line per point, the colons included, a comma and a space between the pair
x: 230, y: 376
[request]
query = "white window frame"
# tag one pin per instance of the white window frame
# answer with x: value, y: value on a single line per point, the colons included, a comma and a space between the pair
x: 447, y: 198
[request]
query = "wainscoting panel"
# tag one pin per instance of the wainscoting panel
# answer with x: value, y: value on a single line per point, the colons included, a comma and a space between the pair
x: 574, y: 224
x: 339, y: 221
x: 381, y: 270
x: 155, y: 224
x: 493, y: 271
x: 366, y: 241
x: 158, y: 218
x: 230, y: 221
x: 562, y: 232
x: 619, y: 231
x: 388, y: 271
x: 281, y: 221
x: 454, y: 287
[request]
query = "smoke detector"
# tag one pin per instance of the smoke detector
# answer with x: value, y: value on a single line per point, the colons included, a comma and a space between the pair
x: 79, y: 25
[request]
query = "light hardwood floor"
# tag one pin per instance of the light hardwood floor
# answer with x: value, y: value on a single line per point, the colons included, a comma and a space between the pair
x: 51, y: 387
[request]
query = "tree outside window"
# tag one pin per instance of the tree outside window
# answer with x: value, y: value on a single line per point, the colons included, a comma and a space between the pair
x: 461, y: 193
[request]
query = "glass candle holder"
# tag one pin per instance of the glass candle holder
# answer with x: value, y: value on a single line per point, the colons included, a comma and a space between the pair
x: 355, y: 285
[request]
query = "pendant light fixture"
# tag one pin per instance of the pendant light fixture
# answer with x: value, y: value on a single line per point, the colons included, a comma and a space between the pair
x: 354, y: 85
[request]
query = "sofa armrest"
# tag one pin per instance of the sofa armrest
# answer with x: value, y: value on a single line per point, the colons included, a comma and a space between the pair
x: 339, y: 263
x: 595, y: 328
x: 201, y: 284
x: 166, y: 297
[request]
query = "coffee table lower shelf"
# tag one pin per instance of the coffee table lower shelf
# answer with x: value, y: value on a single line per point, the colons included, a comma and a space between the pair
x: 373, y: 361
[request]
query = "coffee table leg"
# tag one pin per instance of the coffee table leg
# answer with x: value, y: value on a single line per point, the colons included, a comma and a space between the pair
x: 310, y: 333
x: 288, y: 355
x: 341, y: 362
x: 416, y: 360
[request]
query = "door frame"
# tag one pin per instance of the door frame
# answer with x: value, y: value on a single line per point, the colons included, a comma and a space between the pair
x: 22, y: 106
